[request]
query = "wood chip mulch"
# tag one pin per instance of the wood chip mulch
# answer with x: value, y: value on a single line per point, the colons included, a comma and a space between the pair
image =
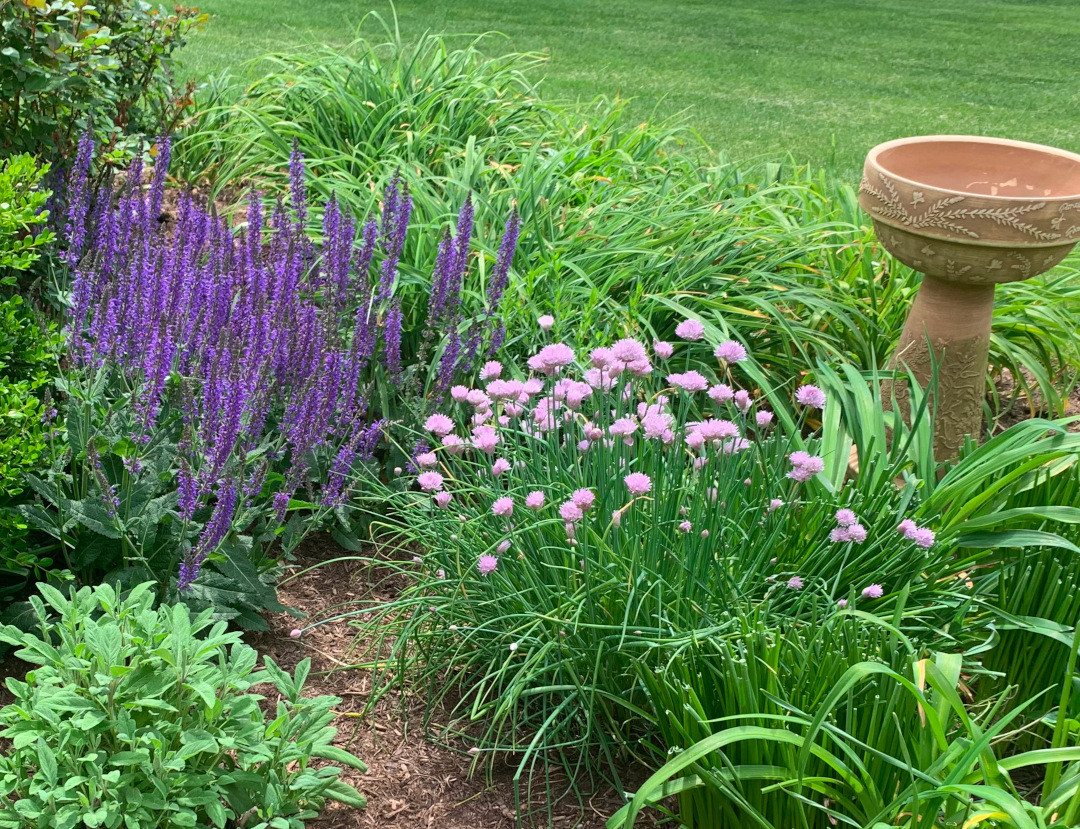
x: 411, y: 782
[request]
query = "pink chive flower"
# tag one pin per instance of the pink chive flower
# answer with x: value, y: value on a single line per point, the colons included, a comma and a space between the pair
x: 485, y: 438
x: 602, y: 357
x: 504, y: 545
x: 695, y: 440
x: 685, y: 526
x: 503, y: 507
x: 427, y: 460
x: 295, y: 633
x: 841, y: 603
x: 715, y: 429
x: 430, y: 481
x: 704, y: 533
x: 500, y: 466
x: 599, y: 378
x: 505, y: 389
x: 491, y: 370
x: 616, y: 517
x: 551, y: 357
x: 810, y: 396
x: 535, y: 500
x: 804, y: 466
x: 439, y: 424
x: 742, y: 400
x: 795, y: 583
x: 546, y: 322
x: 775, y: 504
x: 923, y: 537
x: 662, y: 350
x: 763, y: 418
x: 691, y: 381
x: 442, y: 499
x: 721, y: 393
x: 440, y: 573
x: 478, y: 400
x: 454, y: 444
x: 459, y: 393
x: 638, y: 483
x: 487, y: 565
x: 625, y: 353
x: 623, y: 427
x: 845, y: 518
x: 570, y: 512
x: 839, y: 535
x: 657, y: 425
x: 584, y: 498
x: 583, y: 446
x: 690, y: 330
x: 874, y: 591
x: 733, y: 447
x: 730, y: 351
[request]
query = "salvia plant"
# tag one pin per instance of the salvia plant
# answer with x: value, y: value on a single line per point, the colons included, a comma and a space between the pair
x: 146, y: 718
x: 226, y: 380
x: 585, y: 518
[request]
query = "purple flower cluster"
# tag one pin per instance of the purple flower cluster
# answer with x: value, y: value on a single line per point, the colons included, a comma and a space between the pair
x: 252, y: 334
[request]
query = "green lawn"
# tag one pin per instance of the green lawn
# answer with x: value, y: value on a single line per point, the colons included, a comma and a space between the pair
x: 822, y: 80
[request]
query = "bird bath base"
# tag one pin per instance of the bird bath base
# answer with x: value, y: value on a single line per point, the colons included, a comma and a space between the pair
x: 968, y: 212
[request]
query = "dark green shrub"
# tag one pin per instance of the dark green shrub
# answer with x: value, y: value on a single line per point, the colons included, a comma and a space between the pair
x: 27, y: 354
x: 67, y: 65
x: 143, y: 719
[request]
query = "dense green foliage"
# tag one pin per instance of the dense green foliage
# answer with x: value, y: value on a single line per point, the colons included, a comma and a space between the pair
x: 67, y: 66
x: 145, y: 719
x: 619, y: 220
x: 768, y: 601
x: 27, y: 361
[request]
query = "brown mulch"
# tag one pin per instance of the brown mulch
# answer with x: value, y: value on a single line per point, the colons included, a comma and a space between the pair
x: 411, y: 781
x: 1025, y: 408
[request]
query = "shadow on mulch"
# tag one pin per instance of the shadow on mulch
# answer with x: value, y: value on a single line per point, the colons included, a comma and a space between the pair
x: 411, y: 782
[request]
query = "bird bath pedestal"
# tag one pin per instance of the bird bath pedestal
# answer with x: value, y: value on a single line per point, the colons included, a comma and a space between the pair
x: 969, y: 213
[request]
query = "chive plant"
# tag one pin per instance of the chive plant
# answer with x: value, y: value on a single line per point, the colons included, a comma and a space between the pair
x: 605, y: 514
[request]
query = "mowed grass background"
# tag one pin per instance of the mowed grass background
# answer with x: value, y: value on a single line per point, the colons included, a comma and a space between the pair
x: 820, y: 81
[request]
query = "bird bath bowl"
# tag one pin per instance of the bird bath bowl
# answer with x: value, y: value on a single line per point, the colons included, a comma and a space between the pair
x: 969, y: 213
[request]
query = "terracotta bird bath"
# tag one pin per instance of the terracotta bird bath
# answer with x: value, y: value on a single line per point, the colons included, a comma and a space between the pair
x: 969, y: 213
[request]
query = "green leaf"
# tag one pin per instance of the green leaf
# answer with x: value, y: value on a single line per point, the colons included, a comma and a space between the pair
x: 47, y: 762
x: 1015, y: 538
x: 344, y: 793
x: 338, y: 755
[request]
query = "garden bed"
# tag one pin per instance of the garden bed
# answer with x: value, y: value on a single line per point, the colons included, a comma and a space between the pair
x: 411, y: 781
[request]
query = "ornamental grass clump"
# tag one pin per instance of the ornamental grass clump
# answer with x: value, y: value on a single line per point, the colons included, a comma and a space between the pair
x: 224, y: 378
x: 598, y: 516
